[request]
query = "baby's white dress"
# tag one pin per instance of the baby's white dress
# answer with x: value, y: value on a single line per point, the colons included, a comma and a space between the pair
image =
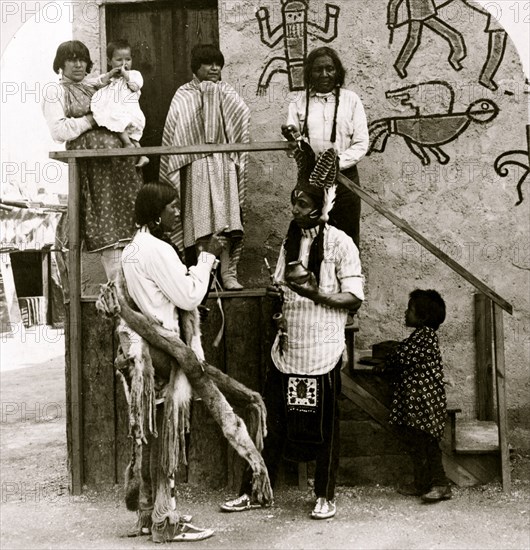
x: 117, y: 107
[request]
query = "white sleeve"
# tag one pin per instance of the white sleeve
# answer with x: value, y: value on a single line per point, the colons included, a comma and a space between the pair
x: 62, y: 128
x: 359, y: 140
x: 279, y: 272
x: 292, y: 116
x: 183, y: 287
x: 349, y: 268
x: 135, y: 77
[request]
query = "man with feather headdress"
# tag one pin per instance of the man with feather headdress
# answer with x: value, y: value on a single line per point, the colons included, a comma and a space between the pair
x: 318, y: 280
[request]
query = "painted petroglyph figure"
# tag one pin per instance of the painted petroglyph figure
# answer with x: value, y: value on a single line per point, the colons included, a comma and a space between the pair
x: 420, y: 13
x: 519, y: 159
x: 426, y: 130
x: 293, y: 30
x: 496, y: 46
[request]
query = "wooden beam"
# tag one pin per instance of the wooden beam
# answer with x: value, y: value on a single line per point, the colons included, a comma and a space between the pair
x: 367, y: 402
x: 500, y: 379
x: 206, y: 148
x: 45, y: 273
x: 433, y: 249
x: 484, y: 357
x: 74, y: 278
x: 102, y: 39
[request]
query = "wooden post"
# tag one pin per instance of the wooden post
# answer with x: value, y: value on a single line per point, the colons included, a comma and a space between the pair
x: 45, y: 271
x: 500, y: 378
x: 74, y: 333
x: 484, y: 357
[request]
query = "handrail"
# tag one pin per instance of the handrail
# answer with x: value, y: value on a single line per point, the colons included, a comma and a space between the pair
x: 206, y: 148
x: 433, y: 249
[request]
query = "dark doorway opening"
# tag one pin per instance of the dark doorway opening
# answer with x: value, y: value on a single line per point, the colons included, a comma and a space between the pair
x: 162, y: 35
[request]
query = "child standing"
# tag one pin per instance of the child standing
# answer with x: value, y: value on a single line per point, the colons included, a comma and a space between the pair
x: 116, y: 104
x: 419, y: 405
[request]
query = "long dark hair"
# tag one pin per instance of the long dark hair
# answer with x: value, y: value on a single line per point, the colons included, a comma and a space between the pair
x: 316, y: 252
x: 340, y: 74
x: 313, y: 55
x: 71, y: 50
x: 150, y: 202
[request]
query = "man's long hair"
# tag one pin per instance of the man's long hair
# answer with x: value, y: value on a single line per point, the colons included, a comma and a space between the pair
x: 340, y: 74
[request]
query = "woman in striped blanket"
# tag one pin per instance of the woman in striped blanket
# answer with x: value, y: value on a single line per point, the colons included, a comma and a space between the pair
x: 211, y: 187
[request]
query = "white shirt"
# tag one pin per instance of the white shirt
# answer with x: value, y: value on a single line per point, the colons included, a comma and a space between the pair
x: 352, y: 138
x: 159, y: 282
x: 315, y: 332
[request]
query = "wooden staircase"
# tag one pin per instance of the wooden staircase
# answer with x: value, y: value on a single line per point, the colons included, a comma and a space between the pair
x: 470, y: 447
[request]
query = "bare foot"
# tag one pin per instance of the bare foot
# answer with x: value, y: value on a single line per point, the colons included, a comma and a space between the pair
x: 142, y: 161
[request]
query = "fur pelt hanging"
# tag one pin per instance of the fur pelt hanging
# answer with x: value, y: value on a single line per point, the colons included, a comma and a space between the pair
x: 208, y: 383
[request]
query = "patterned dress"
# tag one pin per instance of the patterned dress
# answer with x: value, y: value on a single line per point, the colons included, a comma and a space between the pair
x: 419, y: 399
x: 108, y: 186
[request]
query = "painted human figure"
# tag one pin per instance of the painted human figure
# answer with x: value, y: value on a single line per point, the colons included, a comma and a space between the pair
x: 293, y: 30
x: 328, y: 115
x: 422, y: 13
x: 496, y: 46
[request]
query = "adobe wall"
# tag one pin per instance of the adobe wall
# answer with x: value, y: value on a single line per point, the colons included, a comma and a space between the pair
x: 455, y: 198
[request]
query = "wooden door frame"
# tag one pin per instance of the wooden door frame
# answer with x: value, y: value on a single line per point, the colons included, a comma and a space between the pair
x: 103, y: 25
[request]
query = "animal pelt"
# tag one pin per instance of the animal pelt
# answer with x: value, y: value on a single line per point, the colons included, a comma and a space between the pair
x: 206, y: 380
x: 132, y: 479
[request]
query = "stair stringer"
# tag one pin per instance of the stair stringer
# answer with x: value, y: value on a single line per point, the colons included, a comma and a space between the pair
x: 463, y: 470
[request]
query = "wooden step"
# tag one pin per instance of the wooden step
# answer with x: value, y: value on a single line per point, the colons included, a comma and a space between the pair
x: 476, y: 437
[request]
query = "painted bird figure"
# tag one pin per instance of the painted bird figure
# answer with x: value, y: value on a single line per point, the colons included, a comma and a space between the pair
x: 425, y: 134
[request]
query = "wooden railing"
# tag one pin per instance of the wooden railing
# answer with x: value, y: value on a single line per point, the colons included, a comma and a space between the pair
x: 74, y: 277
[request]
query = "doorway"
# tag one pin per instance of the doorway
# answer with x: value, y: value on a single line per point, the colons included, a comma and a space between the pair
x: 162, y: 35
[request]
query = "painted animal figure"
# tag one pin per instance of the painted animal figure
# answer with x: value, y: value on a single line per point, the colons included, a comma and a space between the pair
x: 425, y: 133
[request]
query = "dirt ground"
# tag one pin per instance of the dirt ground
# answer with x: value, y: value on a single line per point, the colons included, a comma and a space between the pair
x: 37, y: 511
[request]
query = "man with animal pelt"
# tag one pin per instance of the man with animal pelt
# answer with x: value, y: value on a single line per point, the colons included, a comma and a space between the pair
x: 318, y: 280
x: 162, y: 360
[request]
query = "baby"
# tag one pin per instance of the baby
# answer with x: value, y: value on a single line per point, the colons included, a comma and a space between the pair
x: 116, y: 103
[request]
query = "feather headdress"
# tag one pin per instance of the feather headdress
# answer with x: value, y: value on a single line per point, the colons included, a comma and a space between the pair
x: 317, y: 176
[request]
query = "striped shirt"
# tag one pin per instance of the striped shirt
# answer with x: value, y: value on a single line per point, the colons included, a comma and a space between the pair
x: 352, y: 138
x: 315, y: 332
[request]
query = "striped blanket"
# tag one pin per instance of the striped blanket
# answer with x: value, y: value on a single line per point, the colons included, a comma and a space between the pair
x: 200, y: 113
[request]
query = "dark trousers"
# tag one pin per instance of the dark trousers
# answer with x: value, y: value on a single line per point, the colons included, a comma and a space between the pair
x: 346, y: 212
x: 326, y: 453
x: 426, y: 457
